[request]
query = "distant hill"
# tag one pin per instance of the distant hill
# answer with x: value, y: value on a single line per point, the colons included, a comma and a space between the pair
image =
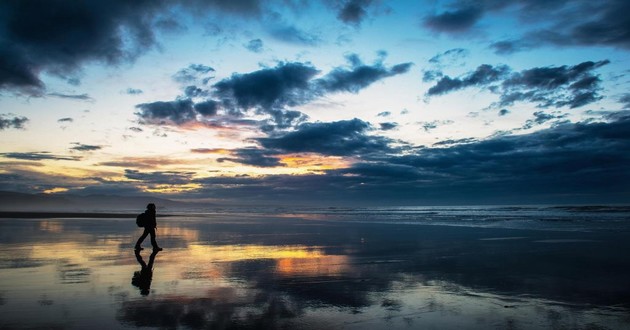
x: 14, y: 201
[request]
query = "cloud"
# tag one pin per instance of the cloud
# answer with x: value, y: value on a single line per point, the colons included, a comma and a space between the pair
x: 455, y: 21
x: 160, y: 177
x: 16, y: 122
x: 449, y: 56
x: 286, y: 84
x: 384, y: 114
x: 33, y: 42
x: 340, y: 138
x: 430, y: 125
x: 482, y: 76
x: 625, y: 99
x: 85, y: 147
x: 207, y: 108
x: 43, y: 155
x: 451, y: 142
x: 255, y: 45
x: 541, y: 117
x: 194, y: 73
x: 567, y: 162
x: 80, y: 97
x: 133, y: 91
x: 354, y: 11
x: 254, y: 157
x: 503, y: 112
x: 572, y: 86
x: 141, y: 162
x: 358, y: 76
x: 65, y: 120
x: 293, y: 35
x: 541, y: 23
x: 270, y: 91
x: 176, y: 112
x: 388, y: 126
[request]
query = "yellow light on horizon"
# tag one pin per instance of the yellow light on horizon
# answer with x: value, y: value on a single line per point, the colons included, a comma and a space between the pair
x: 55, y: 190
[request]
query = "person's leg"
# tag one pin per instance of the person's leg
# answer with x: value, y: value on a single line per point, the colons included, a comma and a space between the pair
x: 144, y: 235
x: 153, y: 242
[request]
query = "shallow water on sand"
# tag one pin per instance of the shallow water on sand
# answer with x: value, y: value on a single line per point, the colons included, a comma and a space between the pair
x: 270, y: 272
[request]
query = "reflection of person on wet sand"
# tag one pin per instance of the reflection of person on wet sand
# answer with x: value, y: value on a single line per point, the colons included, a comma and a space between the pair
x: 142, y: 279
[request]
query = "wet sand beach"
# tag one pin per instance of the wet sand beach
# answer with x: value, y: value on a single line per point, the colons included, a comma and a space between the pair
x: 289, y: 272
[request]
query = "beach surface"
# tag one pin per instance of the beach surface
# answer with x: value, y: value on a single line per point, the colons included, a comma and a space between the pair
x: 299, y: 271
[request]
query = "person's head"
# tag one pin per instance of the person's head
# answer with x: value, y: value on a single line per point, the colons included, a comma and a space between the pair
x: 151, y: 207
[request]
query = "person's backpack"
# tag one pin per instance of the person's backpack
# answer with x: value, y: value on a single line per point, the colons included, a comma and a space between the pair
x: 141, y: 219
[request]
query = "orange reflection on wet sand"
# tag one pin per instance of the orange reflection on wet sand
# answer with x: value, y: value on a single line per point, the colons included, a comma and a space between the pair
x: 51, y: 226
x: 187, y: 234
x: 290, y: 260
x: 325, y: 265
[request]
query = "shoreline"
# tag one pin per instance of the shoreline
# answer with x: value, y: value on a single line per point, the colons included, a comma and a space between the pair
x: 44, y: 214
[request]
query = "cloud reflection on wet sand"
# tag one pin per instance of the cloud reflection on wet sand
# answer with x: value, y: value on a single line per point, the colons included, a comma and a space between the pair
x: 291, y: 273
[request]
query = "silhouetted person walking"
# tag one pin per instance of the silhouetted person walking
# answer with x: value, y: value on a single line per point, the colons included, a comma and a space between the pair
x: 150, y: 223
x: 142, y: 279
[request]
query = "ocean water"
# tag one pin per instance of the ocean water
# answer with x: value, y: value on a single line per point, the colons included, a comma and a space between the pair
x: 321, y: 268
x: 566, y: 218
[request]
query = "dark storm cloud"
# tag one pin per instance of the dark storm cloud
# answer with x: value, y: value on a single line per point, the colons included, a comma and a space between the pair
x: 9, y: 121
x: 159, y: 177
x: 253, y: 157
x: 340, y: 138
x: 503, y: 112
x: 43, y: 155
x: 572, y: 86
x: 458, y: 20
x: 65, y: 120
x: 85, y: 147
x: 484, y: 75
x: 625, y: 99
x: 255, y: 45
x: 358, y: 76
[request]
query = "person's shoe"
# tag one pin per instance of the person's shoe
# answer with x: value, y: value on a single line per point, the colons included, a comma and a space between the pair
x: 157, y: 249
x: 137, y: 248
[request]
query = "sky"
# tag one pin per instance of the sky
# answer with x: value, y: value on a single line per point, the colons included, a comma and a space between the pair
x: 356, y: 102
